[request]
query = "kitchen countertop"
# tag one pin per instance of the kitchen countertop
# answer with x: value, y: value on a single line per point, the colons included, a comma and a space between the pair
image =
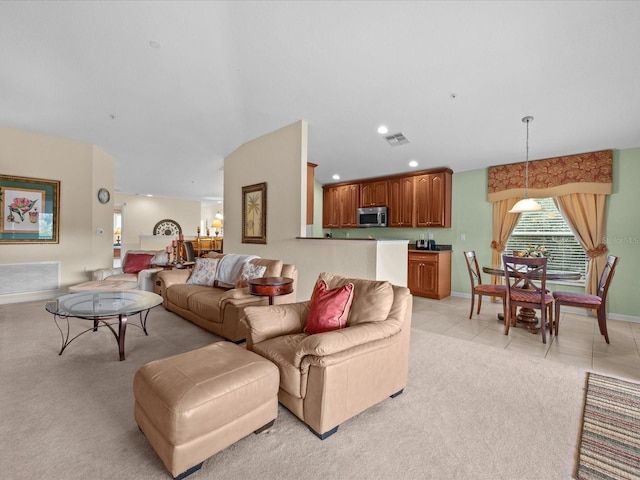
x: 386, y: 240
x: 411, y: 243
x: 440, y: 248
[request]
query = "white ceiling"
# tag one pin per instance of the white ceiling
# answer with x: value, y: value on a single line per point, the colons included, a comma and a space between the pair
x: 227, y: 72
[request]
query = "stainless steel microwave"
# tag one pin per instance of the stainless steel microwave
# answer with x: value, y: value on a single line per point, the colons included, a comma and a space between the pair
x: 372, y: 217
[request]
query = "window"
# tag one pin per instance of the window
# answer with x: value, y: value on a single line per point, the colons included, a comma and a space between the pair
x: 548, y: 227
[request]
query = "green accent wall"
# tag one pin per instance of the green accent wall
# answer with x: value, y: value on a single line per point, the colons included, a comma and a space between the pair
x: 472, y: 217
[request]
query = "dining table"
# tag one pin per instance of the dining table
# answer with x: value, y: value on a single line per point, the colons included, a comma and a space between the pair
x: 527, y: 316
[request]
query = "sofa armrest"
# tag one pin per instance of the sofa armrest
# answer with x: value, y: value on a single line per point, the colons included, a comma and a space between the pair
x: 103, y: 273
x: 338, y: 341
x: 145, y: 278
x: 241, y: 296
x: 267, y: 322
x: 173, y: 277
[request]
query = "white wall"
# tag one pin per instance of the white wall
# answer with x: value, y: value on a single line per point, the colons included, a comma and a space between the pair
x: 141, y: 213
x: 81, y: 169
x: 280, y: 159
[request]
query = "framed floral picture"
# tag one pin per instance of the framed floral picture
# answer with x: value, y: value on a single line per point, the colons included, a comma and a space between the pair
x: 254, y: 213
x: 30, y: 210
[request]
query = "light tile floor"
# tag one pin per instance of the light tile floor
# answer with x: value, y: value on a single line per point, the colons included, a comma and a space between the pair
x: 579, y: 342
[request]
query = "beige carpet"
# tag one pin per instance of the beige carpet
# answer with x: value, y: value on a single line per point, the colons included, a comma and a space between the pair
x: 469, y: 412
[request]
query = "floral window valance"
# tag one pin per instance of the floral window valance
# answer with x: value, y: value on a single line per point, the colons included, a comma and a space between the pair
x: 552, y: 177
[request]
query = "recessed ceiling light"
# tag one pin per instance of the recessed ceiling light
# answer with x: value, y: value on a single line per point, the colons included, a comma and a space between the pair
x: 336, y: 177
x: 154, y: 44
x: 382, y: 129
x: 413, y: 163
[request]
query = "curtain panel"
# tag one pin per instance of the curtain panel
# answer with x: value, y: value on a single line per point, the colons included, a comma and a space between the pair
x: 503, y: 225
x: 553, y: 177
x: 585, y: 213
x: 579, y: 184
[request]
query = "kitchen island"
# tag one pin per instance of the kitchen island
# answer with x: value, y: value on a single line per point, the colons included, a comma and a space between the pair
x: 371, y: 258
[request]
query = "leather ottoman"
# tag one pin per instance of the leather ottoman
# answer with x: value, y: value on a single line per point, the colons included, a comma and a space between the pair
x: 193, y: 405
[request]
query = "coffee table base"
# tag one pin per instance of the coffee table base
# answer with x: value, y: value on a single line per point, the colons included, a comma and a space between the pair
x: 102, y: 322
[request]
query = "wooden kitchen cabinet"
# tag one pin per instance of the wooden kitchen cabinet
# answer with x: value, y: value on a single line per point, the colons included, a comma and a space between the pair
x: 401, y: 203
x: 429, y: 274
x: 349, y: 203
x: 433, y: 200
x: 340, y: 205
x: 374, y: 194
x: 415, y: 200
x: 330, y: 207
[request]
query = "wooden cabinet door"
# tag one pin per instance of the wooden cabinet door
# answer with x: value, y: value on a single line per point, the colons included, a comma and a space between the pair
x: 414, y: 281
x: 401, y: 212
x: 429, y: 274
x: 374, y: 194
x: 423, y: 274
x: 433, y: 200
x: 331, y: 207
x: 430, y: 277
x: 349, y: 202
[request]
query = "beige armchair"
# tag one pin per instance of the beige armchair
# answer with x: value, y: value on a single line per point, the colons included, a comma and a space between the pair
x: 329, y: 377
x: 144, y: 277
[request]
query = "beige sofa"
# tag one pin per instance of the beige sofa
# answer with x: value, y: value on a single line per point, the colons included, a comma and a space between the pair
x: 219, y: 309
x: 144, y: 277
x: 329, y: 377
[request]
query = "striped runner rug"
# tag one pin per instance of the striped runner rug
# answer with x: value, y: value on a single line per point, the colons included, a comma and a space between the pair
x: 610, y: 439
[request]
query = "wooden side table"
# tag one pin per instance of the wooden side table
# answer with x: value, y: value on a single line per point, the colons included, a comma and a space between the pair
x: 271, y: 287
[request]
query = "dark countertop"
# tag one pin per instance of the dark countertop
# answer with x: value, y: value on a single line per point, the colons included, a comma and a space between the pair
x: 439, y: 248
x: 399, y: 240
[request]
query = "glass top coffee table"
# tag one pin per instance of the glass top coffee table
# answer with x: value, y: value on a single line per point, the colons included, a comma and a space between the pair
x: 102, y: 308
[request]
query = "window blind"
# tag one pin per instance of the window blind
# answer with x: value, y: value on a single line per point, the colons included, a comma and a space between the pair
x: 549, y: 228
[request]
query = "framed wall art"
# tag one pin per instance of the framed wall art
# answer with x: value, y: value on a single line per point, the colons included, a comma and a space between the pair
x: 254, y: 213
x: 30, y: 210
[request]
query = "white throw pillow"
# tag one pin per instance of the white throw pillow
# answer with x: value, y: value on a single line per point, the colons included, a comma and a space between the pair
x: 204, y: 272
x: 249, y: 271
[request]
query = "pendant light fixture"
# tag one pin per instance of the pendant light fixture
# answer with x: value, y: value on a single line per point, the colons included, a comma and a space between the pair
x: 526, y: 204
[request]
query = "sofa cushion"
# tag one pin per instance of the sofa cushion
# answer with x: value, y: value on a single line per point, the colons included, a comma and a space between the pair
x: 248, y: 272
x: 329, y: 308
x: 123, y: 277
x: 206, y: 304
x: 137, y: 262
x: 204, y: 272
x: 179, y: 294
x: 372, y: 299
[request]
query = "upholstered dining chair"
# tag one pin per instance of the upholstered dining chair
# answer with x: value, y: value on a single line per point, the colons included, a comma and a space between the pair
x: 189, y: 252
x: 482, y: 289
x: 594, y: 302
x: 526, y: 279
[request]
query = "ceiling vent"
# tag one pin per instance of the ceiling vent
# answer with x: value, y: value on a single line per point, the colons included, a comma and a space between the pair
x: 397, y: 139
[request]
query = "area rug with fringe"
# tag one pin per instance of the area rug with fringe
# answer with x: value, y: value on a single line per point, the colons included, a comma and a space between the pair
x: 610, y: 440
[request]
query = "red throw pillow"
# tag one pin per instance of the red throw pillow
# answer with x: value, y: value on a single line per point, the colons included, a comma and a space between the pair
x: 137, y: 262
x: 329, y: 308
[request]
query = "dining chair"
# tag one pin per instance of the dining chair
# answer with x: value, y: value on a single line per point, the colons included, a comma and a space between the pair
x: 594, y: 302
x: 482, y: 289
x: 526, y: 279
x: 189, y: 252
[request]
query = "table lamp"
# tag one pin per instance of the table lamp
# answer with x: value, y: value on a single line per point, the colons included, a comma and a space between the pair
x: 217, y: 224
x: 118, y: 233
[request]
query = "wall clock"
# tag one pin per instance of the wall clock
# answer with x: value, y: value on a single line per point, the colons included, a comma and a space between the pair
x: 103, y: 195
x: 167, y: 227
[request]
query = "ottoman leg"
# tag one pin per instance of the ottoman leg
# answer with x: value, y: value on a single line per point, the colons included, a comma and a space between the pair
x: 265, y: 427
x: 186, y: 473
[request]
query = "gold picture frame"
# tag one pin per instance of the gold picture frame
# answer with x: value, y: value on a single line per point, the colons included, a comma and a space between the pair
x: 30, y: 210
x: 254, y: 213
